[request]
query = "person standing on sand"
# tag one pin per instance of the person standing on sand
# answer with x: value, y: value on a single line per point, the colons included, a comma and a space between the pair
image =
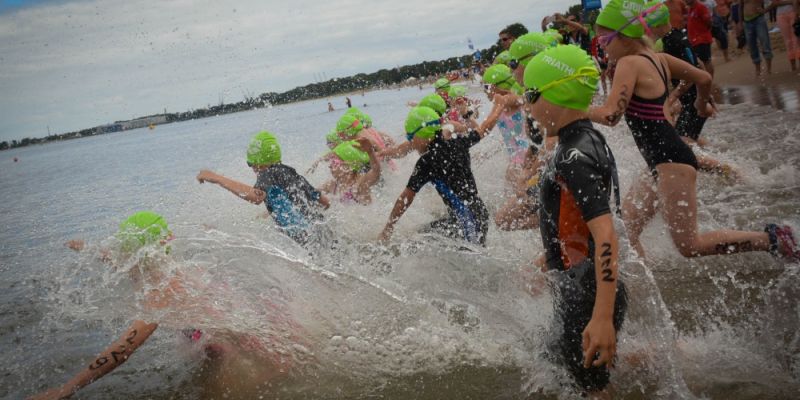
x: 787, y: 14
x: 698, y: 22
x: 756, y: 31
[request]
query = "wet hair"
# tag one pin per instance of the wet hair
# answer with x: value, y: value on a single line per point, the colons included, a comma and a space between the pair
x: 516, y: 30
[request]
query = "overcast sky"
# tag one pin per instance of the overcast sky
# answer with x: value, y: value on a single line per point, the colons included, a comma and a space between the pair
x: 76, y: 64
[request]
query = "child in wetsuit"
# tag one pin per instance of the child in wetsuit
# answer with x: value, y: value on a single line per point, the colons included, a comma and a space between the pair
x: 575, y: 218
x: 290, y: 199
x: 447, y: 165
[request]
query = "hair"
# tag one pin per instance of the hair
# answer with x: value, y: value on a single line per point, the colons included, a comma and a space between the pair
x: 516, y: 30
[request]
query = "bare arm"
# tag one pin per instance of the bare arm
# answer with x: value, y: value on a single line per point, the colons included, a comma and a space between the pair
x: 112, y: 357
x: 599, y: 336
x: 399, y: 151
x: 400, y: 207
x: 497, y: 110
x: 616, y: 103
x: 366, y: 181
x: 241, y: 190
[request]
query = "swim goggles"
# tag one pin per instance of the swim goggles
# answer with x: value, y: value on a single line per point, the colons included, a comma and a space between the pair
x: 513, y: 64
x: 532, y: 95
x: 488, y: 86
x: 605, y: 40
x: 410, y: 135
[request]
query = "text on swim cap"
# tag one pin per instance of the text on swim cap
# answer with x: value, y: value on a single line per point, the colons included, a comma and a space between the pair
x: 558, y: 65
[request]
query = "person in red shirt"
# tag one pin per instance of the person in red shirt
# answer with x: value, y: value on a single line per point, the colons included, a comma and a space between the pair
x: 698, y: 23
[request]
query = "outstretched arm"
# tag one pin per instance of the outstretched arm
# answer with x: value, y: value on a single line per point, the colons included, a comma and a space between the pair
x: 399, y: 151
x: 600, y: 336
x: 241, y: 190
x: 112, y: 357
x: 494, y: 115
x: 611, y: 112
x: 400, y: 207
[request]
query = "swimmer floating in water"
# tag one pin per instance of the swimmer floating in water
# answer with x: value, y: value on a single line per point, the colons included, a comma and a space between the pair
x: 289, y: 198
x: 181, y: 296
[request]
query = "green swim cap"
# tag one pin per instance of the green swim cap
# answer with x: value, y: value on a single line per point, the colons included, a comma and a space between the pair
x: 434, y: 102
x: 503, y: 58
x: 658, y: 15
x: 333, y: 138
x: 352, y: 155
x: 263, y: 150
x: 457, y: 91
x: 555, y: 36
x: 517, y: 89
x: 141, y: 229
x: 499, y: 75
x: 565, y: 75
x: 365, y: 119
x: 619, y: 13
x: 528, y: 45
x: 441, y: 84
x: 422, y: 122
x: 350, y: 125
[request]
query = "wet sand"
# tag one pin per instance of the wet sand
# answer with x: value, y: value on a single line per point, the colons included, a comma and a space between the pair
x: 736, y: 82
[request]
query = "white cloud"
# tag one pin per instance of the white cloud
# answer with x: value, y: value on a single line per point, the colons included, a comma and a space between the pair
x: 78, y: 64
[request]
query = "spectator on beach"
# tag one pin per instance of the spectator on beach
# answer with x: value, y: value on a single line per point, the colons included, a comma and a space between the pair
x: 719, y: 25
x: 576, y: 32
x: 786, y: 16
x: 698, y: 23
x: 755, y: 29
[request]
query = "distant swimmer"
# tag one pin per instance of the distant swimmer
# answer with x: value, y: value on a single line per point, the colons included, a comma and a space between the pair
x: 16, y: 159
x: 639, y: 92
x: 446, y: 165
x: 330, y: 107
x: 348, y: 102
x: 577, y: 226
x: 291, y: 201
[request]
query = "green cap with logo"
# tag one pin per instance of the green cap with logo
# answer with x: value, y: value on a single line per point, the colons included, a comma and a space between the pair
x: 499, y: 75
x: 365, y: 119
x: 503, y: 58
x: 141, y: 229
x: 263, y: 150
x: 435, y: 102
x: 352, y: 155
x: 528, y: 45
x: 332, y: 138
x: 622, y: 15
x: 350, y: 125
x: 457, y: 91
x: 658, y: 15
x: 423, y: 122
x: 565, y: 75
x: 441, y: 84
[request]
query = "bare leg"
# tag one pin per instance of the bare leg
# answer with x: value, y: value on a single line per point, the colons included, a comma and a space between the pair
x: 638, y: 208
x: 515, y: 214
x: 677, y: 188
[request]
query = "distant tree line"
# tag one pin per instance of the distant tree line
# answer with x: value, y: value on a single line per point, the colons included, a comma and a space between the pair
x: 332, y: 87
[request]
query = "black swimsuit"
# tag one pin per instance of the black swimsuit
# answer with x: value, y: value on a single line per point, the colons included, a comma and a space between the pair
x: 657, y: 140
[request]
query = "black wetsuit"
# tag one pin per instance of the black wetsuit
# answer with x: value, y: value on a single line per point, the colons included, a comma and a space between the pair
x: 290, y: 200
x: 447, y: 165
x: 657, y: 140
x: 576, y: 187
x: 689, y: 123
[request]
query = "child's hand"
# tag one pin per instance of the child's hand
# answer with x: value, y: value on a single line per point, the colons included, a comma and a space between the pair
x: 599, y: 339
x: 205, y: 176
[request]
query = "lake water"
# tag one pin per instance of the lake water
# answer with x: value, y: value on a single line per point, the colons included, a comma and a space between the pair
x: 421, y: 318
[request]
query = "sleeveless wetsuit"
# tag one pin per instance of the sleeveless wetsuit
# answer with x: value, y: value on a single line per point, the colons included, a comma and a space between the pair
x: 512, y: 128
x: 656, y: 139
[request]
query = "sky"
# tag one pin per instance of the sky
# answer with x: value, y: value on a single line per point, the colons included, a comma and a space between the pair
x: 69, y: 65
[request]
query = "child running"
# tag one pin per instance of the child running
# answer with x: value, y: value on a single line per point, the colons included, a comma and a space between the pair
x: 447, y: 165
x: 576, y: 222
x: 355, y: 169
x: 290, y: 199
x: 639, y: 91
